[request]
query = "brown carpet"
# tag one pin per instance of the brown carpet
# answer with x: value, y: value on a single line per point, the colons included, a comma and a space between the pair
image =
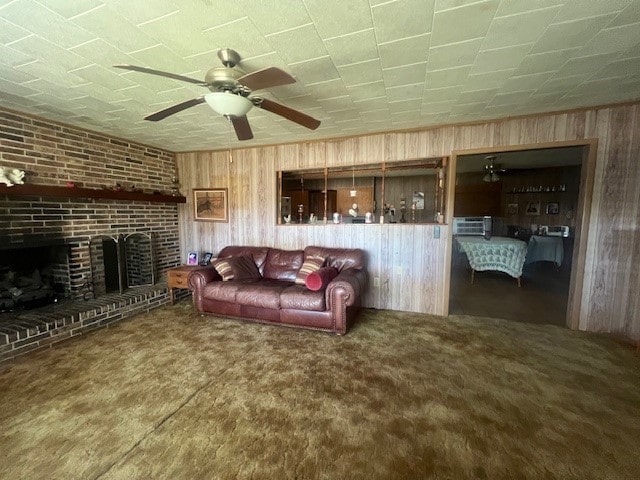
x: 171, y: 394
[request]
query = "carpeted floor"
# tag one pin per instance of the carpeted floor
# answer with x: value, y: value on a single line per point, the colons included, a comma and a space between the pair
x: 173, y: 395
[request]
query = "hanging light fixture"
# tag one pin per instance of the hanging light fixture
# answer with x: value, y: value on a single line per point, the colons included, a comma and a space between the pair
x: 353, y: 191
x: 491, y: 169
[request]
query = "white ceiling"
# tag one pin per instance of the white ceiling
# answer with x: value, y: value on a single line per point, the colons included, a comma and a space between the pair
x: 361, y: 65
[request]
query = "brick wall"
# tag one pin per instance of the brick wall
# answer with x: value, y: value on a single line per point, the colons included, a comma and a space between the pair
x: 54, y: 154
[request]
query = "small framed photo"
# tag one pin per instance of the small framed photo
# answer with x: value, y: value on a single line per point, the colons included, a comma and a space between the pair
x: 512, y: 209
x: 553, y: 208
x: 210, y: 205
x: 192, y: 258
x: 533, y: 208
x: 206, y: 259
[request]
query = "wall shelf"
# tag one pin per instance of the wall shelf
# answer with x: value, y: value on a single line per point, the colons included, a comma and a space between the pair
x: 78, y: 192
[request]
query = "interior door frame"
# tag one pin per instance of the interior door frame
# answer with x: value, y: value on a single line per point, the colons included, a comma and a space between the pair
x: 583, y: 215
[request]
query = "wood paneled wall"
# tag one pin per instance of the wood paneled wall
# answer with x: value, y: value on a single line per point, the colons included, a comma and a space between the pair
x: 408, y: 260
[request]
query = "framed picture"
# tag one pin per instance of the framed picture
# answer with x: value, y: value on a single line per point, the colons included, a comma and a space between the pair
x: 206, y: 259
x: 512, y: 209
x: 210, y: 205
x: 192, y: 258
x: 533, y: 208
x: 418, y: 200
x: 552, y: 208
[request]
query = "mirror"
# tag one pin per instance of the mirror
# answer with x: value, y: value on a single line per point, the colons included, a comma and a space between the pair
x: 401, y: 192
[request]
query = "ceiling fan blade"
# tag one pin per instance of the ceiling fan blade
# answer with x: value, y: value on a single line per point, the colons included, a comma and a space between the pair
x: 266, y: 78
x: 161, y: 74
x: 242, y: 127
x: 290, y: 114
x: 154, y: 117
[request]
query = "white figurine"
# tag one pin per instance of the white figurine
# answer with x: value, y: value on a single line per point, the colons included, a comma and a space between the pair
x: 11, y: 177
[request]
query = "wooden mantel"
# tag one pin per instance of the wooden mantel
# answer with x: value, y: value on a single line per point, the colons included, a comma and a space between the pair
x: 78, y: 192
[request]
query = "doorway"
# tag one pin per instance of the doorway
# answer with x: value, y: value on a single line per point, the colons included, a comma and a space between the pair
x: 536, y: 197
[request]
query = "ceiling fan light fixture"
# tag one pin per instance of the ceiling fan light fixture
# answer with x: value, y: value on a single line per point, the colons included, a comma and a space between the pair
x: 228, y: 104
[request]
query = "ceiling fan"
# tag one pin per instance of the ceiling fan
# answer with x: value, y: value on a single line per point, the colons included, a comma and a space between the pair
x: 492, y: 169
x: 231, y: 93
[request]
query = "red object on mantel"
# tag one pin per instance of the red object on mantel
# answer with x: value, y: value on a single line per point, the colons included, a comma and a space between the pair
x: 71, y: 184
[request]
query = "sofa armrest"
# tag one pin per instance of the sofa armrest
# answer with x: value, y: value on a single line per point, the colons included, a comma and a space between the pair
x: 344, y: 291
x: 198, y: 279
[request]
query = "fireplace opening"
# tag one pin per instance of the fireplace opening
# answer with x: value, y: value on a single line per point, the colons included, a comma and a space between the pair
x: 121, y: 262
x: 33, y: 276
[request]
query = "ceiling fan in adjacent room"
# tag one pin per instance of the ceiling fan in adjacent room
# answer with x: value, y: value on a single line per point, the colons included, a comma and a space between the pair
x: 492, y: 169
x: 231, y: 93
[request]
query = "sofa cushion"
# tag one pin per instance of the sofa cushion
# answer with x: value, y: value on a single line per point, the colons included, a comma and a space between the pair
x: 244, y: 268
x: 264, y: 294
x: 301, y: 298
x: 319, y: 279
x: 339, y: 258
x: 283, y: 264
x: 221, y: 291
x: 224, y: 269
x: 310, y: 265
x: 259, y: 254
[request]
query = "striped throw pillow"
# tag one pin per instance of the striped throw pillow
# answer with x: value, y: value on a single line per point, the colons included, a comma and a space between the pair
x: 223, y: 267
x: 310, y: 265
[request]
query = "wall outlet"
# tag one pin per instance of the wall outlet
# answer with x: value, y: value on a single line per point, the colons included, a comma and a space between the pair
x: 436, y: 232
x: 376, y: 281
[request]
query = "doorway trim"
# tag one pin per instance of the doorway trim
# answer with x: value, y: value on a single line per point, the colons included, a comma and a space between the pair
x: 583, y: 214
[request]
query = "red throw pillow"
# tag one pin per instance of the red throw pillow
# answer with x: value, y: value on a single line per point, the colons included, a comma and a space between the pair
x: 310, y: 265
x: 319, y: 279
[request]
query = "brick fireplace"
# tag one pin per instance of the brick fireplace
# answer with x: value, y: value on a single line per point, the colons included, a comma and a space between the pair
x: 76, y: 162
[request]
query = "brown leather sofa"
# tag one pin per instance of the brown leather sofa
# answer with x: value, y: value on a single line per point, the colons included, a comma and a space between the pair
x: 275, y: 298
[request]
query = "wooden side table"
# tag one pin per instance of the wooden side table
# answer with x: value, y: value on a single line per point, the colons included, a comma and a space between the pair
x: 178, y: 278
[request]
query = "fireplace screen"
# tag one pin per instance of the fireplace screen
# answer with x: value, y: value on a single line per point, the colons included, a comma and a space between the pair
x: 121, y: 262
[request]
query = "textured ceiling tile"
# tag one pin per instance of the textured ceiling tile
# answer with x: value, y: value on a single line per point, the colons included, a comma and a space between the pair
x: 352, y: 48
x: 68, y: 8
x: 513, y: 98
x: 314, y: 71
x: 468, y: 108
x: 358, y: 73
x: 545, y: 62
x: 518, y: 29
x: 250, y: 43
x: 576, y: 9
x: 405, y: 92
x: 403, y: 106
x: 487, y: 80
x: 570, y: 34
x: 611, y: 40
x: 477, y: 96
x: 16, y: 76
x: 140, y: 12
x: 437, y: 107
x: 405, y: 75
x: 13, y: 57
x: 583, y: 66
x: 631, y: 14
x: 344, y: 17
x: 44, y: 50
x: 15, y: 88
x: 328, y: 89
x: 622, y: 68
x: 525, y: 82
x: 405, y: 51
x: 561, y: 84
x: 402, y: 18
x: 272, y: 17
x: 10, y: 32
x: 512, y: 7
x: 367, y: 91
x: 448, y: 77
x: 161, y: 58
x: 460, y: 24
x: 298, y: 44
x: 449, y: 4
x: 500, y: 59
x: 114, y: 28
x: 441, y: 94
x: 454, y: 55
x: 43, y: 22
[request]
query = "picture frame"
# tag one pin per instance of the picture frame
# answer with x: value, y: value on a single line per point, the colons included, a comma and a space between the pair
x: 553, y: 208
x: 206, y: 258
x: 512, y: 209
x: 192, y: 258
x: 210, y: 205
x: 533, y: 208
